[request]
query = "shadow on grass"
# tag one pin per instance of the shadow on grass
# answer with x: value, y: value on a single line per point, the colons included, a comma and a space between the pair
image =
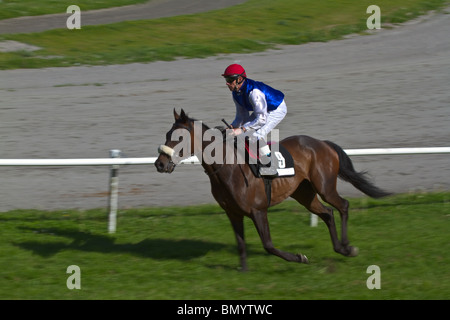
x: 184, y: 249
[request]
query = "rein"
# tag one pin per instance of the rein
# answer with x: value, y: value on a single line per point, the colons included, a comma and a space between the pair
x: 171, y: 152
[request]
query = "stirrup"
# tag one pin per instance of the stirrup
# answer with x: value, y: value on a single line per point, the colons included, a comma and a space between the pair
x: 269, y: 169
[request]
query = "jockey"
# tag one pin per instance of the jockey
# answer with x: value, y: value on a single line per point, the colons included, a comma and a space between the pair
x: 267, y: 105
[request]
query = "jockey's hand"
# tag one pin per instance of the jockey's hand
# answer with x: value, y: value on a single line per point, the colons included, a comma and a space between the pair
x: 236, y: 132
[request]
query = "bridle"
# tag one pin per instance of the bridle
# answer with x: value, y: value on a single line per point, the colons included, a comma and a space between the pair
x: 168, y: 151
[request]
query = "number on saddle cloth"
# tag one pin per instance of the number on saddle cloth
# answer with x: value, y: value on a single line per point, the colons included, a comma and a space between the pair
x: 284, y: 158
x: 285, y: 165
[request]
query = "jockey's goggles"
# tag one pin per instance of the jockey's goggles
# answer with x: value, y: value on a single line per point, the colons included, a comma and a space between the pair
x: 231, y: 79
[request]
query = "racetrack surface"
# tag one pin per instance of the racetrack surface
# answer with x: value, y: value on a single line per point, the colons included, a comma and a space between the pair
x: 389, y: 89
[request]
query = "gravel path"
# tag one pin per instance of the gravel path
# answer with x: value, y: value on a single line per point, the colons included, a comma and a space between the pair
x: 389, y: 89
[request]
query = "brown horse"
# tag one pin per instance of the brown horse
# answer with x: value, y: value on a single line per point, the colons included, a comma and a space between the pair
x: 240, y: 193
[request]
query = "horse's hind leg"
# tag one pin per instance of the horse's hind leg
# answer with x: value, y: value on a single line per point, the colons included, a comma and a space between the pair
x: 307, y: 196
x: 259, y: 218
x: 341, y: 204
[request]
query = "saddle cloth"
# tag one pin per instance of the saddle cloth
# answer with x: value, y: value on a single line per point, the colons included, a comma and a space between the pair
x: 285, y: 163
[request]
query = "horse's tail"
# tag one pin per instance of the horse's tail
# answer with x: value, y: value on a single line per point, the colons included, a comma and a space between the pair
x: 357, y: 179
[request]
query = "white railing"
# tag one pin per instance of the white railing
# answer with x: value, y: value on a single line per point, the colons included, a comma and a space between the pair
x: 115, y: 161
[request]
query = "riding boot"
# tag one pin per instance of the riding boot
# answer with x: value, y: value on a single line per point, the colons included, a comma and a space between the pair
x: 268, y: 166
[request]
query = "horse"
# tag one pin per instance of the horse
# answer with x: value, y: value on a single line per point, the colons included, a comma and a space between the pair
x: 241, y: 194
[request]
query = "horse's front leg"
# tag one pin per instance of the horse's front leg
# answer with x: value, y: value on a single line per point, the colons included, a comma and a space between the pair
x: 238, y: 227
x: 262, y: 226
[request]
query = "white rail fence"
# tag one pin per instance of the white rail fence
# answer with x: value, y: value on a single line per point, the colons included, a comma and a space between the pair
x: 115, y: 161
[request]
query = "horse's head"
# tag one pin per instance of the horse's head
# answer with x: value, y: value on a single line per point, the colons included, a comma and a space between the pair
x: 179, y: 143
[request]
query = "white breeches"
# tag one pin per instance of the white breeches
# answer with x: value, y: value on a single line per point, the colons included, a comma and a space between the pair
x: 273, y: 119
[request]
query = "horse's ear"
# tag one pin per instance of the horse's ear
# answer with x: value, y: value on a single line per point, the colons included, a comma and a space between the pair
x: 175, y: 114
x: 183, y: 114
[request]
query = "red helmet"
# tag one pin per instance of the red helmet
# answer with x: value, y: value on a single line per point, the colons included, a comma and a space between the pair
x: 234, y: 70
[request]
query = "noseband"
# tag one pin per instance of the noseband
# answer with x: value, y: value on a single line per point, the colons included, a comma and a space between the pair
x: 168, y: 150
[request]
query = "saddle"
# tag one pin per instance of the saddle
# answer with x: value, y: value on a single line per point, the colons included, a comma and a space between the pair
x: 284, y: 161
x: 285, y: 165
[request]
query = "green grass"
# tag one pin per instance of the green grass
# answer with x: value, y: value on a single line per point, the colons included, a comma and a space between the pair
x: 20, y: 8
x: 190, y: 253
x: 232, y: 30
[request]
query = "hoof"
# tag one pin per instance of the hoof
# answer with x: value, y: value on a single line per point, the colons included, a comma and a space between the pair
x: 354, y: 251
x: 303, y: 259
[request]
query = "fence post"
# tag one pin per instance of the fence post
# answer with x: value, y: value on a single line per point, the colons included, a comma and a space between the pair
x: 113, y: 192
x: 314, y: 220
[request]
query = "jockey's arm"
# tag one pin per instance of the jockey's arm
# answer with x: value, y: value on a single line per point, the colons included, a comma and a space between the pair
x: 241, y: 115
x: 258, y: 100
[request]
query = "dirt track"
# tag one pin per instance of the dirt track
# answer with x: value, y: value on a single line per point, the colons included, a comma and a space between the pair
x: 389, y: 89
